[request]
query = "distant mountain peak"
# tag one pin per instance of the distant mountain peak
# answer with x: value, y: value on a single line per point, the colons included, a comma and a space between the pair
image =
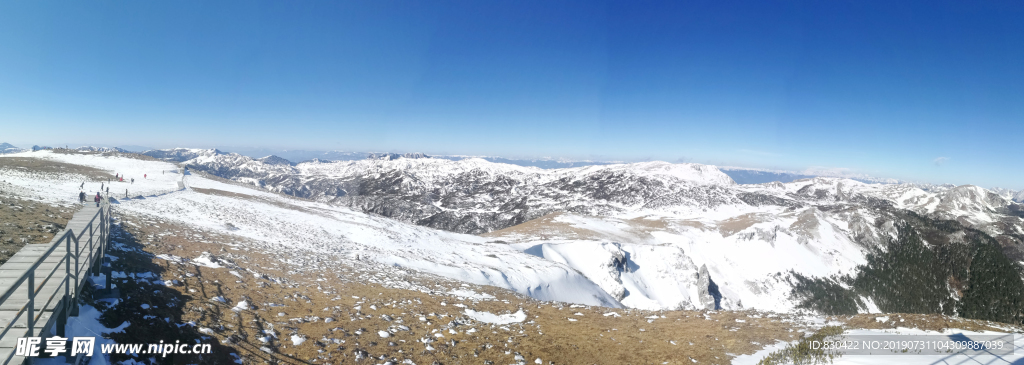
x: 100, y: 149
x: 9, y: 148
x: 182, y: 154
x: 274, y: 160
x: 395, y: 156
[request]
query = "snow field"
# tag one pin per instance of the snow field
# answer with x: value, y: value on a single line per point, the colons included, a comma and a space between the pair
x: 334, y: 232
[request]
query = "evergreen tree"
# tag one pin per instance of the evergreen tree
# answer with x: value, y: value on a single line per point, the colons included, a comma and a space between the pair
x: 995, y: 291
x: 905, y: 278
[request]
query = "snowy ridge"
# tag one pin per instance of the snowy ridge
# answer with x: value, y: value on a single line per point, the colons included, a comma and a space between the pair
x: 682, y: 172
x: 274, y: 160
x: 425, y: 170
x: 395, y: 156
x: 473, y: 195
x: 181, y: 154
x: 1016, y: 196
x: 100, y: 149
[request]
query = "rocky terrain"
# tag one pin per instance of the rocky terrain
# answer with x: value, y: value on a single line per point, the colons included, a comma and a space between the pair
x: 469, y: 196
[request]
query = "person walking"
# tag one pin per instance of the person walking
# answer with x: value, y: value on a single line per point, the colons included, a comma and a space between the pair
x: 81, y: 197
x: 82, y: 186
x: 126, y: 193
x: 133, y: 181
x: 144, y: 176
x: 97, y: 199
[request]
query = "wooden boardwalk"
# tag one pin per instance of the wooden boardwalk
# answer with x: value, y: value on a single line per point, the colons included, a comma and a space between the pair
x: 57, y: 271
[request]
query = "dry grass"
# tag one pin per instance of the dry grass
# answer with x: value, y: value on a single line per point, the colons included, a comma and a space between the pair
x: 218, y: 192
x: 137, y: 156
x: 254, y: 198
x: 38, y: 165
x: 734, y: 225
x: 547, y: 333
x: 550, y: 227
x: 545, y: 227
x: 351, y: 295
x: 929, y: 322
x: 806, y: 223
x: 28, y: 222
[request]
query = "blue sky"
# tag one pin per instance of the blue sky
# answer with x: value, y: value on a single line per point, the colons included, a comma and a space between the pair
x: 928, y: 91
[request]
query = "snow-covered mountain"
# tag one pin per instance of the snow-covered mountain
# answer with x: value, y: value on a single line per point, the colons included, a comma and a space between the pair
x: 661, y: 235
x: 1017, y: 196
x: 181, y: 154
x: 395, y: 156
x: 100, y: 149
x: 296, y: 156
x: 9, y: 148
x: 274, y: 160
x: 544, y: 163
x: 760, y: 176
x: 473, y: 195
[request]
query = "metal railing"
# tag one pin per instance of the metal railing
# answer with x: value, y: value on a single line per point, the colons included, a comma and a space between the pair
x: 69, y: 302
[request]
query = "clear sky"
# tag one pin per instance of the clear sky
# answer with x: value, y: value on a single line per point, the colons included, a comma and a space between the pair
x: 922, y: 90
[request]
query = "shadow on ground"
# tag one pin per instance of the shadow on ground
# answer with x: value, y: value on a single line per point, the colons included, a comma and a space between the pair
x: 154, y: 310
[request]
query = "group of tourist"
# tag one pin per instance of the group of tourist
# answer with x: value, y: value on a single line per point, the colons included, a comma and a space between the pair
x: 117, y: 177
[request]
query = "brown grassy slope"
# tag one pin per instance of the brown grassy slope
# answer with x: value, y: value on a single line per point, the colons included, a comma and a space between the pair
x: 352, y: 296
x: 28, y: 222
x: 38, y: 165
x: 547, y: 332
x: 137, y: 156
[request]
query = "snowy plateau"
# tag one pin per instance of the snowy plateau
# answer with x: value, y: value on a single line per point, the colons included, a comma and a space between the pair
x: 650, y: 235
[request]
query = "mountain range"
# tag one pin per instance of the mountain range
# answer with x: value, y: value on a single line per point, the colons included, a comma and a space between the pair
x: 658, y: 235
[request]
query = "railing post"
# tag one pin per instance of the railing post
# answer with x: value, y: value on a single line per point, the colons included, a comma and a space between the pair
x: 78, y: 269
x: 104, y: 230
x: 91, y: 269
x: 66, y: 311
x: 109, y: 272
x: 67, y: 267
x: 31, y: 302
x: 62, y: 318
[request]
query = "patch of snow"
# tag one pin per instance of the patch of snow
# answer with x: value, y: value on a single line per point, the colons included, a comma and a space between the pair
x: 488, y: 317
